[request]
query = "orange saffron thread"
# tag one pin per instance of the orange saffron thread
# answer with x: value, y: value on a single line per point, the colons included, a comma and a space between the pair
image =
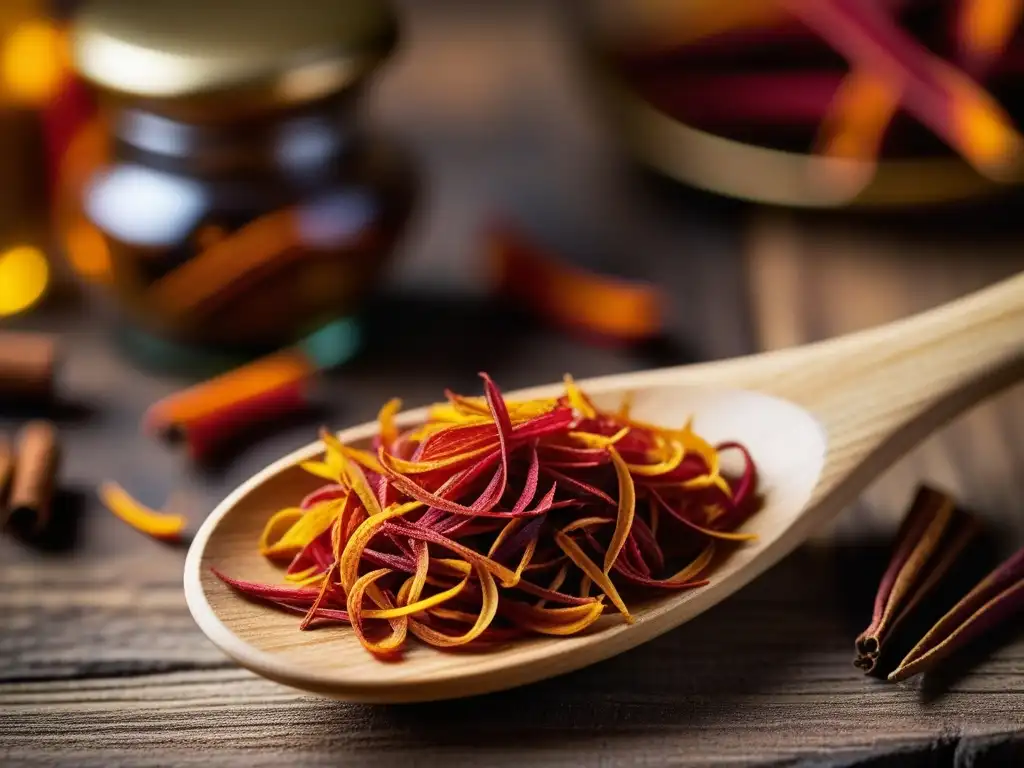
x: 159, y: 525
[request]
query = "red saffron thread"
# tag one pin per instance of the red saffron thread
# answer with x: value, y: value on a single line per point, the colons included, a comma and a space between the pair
x: 486, y: 533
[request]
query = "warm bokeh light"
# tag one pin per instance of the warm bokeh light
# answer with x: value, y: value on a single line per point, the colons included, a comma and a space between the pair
x: 32, y: 62
x: 87, y: 251
x: 24, y: 275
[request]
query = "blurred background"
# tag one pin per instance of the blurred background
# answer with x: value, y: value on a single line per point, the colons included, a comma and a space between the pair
x: 404, y: 194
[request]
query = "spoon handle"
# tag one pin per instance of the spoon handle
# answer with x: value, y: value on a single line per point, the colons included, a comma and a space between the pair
x: 880, y: 393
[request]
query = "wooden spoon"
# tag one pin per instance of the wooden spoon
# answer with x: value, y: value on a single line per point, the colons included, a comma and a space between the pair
x: 821, y: 421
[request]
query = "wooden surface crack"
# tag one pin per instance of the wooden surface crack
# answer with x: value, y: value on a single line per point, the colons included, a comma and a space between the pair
x: 98, y: 670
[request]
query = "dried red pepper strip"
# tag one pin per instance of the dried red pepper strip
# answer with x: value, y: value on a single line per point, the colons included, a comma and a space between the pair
x: 544, y: 593
x: 647, y: 542
x: 315, y: 554
x: 327, y: 493
x: 457, y: 439
x: 530, y: 484
x: 452, y: 487
x: 748, y: 481
x: 295, y: 595
x: 542, y: 426
x: 388, y: 560
x: 516, y: 543
x: 575, y: 454
x: 418, y: 493
x: 577, y: 485
x: 686, y: 520
x: 323, y: 615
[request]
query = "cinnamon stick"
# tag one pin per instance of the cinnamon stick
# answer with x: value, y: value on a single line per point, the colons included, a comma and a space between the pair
x: 933, y: 536
x: 27, y: 364
x: 34, y: 479
x: 997, y: 598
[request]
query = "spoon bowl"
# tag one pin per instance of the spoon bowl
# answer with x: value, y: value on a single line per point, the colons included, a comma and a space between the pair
x: 820, y: 422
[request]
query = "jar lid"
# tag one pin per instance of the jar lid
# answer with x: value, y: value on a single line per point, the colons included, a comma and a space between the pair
x: 174, y: 50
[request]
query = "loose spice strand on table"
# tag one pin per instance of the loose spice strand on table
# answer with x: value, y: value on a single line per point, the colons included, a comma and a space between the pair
x: 498, y: 519
x: 211, y: 413
x: 168, y: 526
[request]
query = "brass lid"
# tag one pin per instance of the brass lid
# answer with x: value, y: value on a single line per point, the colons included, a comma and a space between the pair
x: 180, y: 50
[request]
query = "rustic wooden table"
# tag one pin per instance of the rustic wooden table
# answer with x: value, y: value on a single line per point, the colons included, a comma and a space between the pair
x: 100, y: 663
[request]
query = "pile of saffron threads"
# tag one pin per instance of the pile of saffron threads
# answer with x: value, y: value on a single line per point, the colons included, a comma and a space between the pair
x: 496, y: 520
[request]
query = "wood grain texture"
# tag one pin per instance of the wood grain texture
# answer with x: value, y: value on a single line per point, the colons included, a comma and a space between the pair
x: 812, y: 279
x: 712, y: 693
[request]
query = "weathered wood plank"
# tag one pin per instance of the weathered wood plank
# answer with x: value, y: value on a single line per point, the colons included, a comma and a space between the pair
x: 203, y: 721
x: 767, y: 675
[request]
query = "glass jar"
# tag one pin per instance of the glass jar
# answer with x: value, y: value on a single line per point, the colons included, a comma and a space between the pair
x: 227, y: 195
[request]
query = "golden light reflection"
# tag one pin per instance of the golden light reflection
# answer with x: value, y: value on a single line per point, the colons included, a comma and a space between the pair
x: 32, y: 62
x: 24, y: 275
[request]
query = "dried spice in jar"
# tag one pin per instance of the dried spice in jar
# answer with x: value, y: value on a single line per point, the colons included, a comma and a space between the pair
x: 228, y: 195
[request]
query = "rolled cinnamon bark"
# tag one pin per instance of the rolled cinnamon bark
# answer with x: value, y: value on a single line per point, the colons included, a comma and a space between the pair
x: 35, y: 472
x: 27, y: 364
